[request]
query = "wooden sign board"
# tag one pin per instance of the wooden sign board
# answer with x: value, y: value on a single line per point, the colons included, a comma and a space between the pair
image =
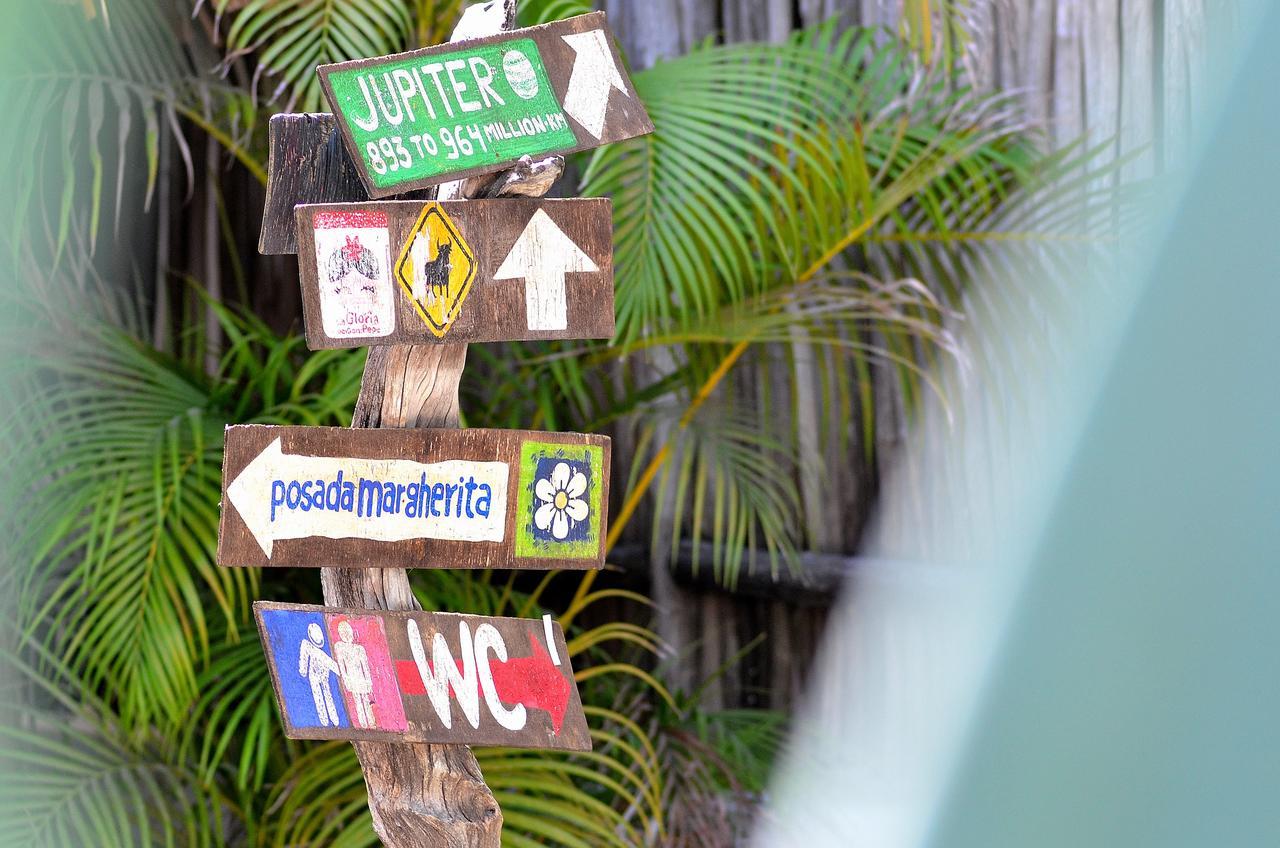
x: 413, y: 676
x: 413, y: 272
x: 456, y: 110
x: 307, y: 163
x: 355, y: 498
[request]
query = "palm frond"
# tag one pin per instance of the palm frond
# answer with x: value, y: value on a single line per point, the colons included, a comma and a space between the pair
x: 534, y: 12
x: 116, y: 527
x: 732, y: 483
x: 99, y: 93
x: 290, y: 37
x: 777, y: 172
x: 119, y: 527
x: 69, y: 776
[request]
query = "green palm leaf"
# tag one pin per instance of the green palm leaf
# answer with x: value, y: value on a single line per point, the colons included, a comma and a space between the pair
x: 120, y: 527
x: 786, y: 190
x: 69, y: 776
x: 99, y: 93
x: 117, y: 525
x: 291, y: 37
x: 534, y: 12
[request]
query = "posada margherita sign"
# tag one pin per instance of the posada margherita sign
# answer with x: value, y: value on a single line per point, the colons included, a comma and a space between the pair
x: 422, y: 677
x: 354, y: 498
x: 416, y: 119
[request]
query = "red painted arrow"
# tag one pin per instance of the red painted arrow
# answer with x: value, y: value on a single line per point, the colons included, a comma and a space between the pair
x: 534, y: 681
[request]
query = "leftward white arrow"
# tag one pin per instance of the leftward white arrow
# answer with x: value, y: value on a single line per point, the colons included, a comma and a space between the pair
x: 542, y: 256
x: 594, y: 71
x: 273, y: 509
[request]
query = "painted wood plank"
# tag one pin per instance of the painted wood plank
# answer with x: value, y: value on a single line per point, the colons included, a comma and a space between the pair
x: 411, y: 272
x: 309, y: 164
x: 354, y: 498
x: 414, y: 676
x: 419, y: 793
x: 1068, y: 74
x: 1102, y: 73
x: 420, y: 118
x: 1137, y: 88
x: 306, y: 164
x: 754, y: 20
x: 1035, y: 51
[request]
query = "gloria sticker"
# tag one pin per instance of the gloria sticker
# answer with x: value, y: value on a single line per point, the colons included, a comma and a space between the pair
x: 353, y: 263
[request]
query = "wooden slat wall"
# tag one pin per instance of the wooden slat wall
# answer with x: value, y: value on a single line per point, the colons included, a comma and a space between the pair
x: 1123, y: 72
x: 1127, y: 70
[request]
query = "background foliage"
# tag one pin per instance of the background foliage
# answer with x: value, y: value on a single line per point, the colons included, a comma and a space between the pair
x: 838, y: 188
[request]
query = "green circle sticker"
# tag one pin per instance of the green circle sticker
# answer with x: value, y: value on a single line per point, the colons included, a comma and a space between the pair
x: 520, y: 74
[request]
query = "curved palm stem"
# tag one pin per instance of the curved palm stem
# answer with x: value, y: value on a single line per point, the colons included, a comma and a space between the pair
x: 243, y: 156
x: 651, y: 471
x: 708, y: 387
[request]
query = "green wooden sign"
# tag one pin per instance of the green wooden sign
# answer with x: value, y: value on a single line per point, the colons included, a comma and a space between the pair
x: 420, y: 118
x: 482, y: 105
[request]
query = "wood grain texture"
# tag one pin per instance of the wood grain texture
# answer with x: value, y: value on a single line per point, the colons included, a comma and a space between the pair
x: 328, y: 496
x: 309, y: 164
x: 361, y: 284
x: 758, y: 20
x: 1137, y: 88
x: 419, y: 793
x: 661, y: 29
x: 389, y: 677
x: 306, y: 164
x: 590, y: 90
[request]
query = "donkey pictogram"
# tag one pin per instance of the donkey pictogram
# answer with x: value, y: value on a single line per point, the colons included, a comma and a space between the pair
x: 436, y: 268
x: 435, y: 272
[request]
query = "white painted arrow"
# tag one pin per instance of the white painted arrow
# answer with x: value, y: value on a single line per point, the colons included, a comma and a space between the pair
x: 276, y: 497
x: 542, y: 256
x: 594, y: 71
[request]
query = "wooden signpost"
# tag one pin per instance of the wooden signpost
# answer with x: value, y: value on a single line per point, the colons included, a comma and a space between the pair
x: 422, y: 677
x: 309, y: 164
x: 419, y: 118
x: 396, y: 272
x: 310, y: 496
x: 418, y: 278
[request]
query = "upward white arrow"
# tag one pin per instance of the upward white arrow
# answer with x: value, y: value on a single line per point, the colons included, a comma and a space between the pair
x: 594, y: 71
x: 542, y: 256
x: 258, y: 494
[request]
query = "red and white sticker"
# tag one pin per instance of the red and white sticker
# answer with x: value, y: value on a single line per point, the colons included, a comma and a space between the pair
x: 353, y: 264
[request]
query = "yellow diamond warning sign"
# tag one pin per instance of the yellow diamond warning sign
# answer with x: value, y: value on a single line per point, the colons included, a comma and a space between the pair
x: 435, y: 269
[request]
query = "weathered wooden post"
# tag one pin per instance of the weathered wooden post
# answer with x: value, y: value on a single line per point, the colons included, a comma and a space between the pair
x: 419, y: 279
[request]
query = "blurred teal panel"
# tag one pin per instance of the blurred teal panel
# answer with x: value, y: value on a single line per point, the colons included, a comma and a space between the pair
x: 1135, y: 697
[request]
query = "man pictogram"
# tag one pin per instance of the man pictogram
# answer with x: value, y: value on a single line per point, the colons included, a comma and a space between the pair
x: 316, y: 666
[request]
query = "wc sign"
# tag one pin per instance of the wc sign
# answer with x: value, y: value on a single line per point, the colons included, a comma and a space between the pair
x: 421, y: 677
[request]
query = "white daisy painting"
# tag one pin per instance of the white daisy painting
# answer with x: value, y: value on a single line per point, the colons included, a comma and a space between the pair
x: 561, y: 505
x: 561, y: 501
